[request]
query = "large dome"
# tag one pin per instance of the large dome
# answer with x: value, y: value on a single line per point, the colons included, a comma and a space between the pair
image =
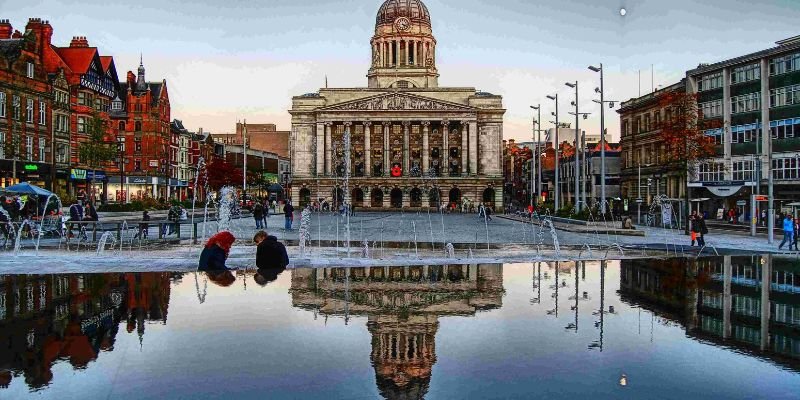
x: 414, y: 10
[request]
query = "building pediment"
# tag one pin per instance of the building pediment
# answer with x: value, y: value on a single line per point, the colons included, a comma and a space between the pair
x: 397, y: 102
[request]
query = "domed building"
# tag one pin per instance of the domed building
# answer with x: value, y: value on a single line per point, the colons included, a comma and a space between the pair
x: 412, y: 144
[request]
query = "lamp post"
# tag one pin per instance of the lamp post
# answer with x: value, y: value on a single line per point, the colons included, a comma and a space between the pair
x: 556, y: 199
x: 537, y: 153
x: 578, y: 145
x: 602, y: 140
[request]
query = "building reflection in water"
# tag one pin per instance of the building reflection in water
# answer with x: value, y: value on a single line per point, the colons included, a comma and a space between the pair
x: 46, y: 319
x: 402, y: 306
x: 750, y: 303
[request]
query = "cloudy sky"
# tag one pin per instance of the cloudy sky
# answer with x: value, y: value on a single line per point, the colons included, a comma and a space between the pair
x: 239, y: 59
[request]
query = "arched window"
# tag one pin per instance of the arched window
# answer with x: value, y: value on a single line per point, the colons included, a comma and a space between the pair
x: 305, y: 197
x: 358, y: 197
x: 377, y: 198
x: 416, y: 197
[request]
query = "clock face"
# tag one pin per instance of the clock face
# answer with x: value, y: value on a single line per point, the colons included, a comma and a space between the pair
x: 402, y: 24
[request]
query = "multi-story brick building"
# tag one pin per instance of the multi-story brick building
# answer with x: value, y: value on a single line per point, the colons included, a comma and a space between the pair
x: 26, y: 103
x: 141, y: 115
x: 263, y: 137
x: 645, y: 170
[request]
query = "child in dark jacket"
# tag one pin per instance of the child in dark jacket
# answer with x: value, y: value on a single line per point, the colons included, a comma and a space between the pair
x: 216, y: 252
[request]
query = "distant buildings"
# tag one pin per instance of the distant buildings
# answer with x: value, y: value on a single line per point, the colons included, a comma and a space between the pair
x: 262, y: 137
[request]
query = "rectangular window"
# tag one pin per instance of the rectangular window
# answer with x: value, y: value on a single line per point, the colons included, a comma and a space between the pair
x: 42, y: 148
x: 29, y: 147
x: 786, y: 168
x: 709, y: 82
x: 85, y: 99
x: 61, y: 153
x: 711, y: 109
x: 29, y: 111
x: 16, y: 108
x: 42, y: 113
x: 746, y: 73
x: 784, y: 64
x: 716, y: 135
x: 2, y: 104
x: 2, y: 144
x: 742, y: 170
x: 785, y: 128
x: 710, y: 172
x: 746, y: 103
x: 81, y: 124
x: 784, y: 96
x: 30, y: 70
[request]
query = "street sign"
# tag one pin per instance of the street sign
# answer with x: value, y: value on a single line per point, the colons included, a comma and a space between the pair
x: 741, y: 202
x: 640, y: 200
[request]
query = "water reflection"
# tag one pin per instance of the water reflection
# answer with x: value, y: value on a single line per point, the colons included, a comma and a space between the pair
x: 49, y: 318
x: 749, y: 304
x: 402, y: 306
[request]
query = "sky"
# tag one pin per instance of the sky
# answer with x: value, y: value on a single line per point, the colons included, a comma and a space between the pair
x: 237, y: 59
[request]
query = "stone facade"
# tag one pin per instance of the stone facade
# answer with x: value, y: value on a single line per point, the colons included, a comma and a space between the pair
x: 412, y: 144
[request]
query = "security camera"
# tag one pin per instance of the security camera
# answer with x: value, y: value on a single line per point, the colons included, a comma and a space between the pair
x: 572, y: 103
x: 597, y: 90
x: 585, y: 116
x: 611, y: 105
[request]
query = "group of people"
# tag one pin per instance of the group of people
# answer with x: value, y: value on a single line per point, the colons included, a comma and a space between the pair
x: 791, y: 229
x: 80, y: 212
x: 271, y: 257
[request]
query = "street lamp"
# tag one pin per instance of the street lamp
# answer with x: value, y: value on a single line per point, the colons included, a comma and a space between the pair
x: 538, y: 140
x: 556, y: 199
x: 602, y: 140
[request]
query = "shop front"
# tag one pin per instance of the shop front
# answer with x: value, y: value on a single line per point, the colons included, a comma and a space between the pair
x: 135, y: 188
x: 91, y: 185
x: 37, y: 174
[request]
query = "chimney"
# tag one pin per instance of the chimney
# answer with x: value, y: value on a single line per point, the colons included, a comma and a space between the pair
x: 79, y: 41
x: 131, y: 79
x: 16, y: 35
x: 5, y: 29
x: 36, y: 26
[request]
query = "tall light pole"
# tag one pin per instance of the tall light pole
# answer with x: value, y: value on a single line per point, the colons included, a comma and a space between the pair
x: 602, y: 141
x: 244, y: 150
x: 577, y: 145
x: 538, y: 152
x: 556, y: 202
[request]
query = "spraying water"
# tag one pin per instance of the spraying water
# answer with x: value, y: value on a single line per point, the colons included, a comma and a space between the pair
x: 304, y: 236
x: 450, y: 250
x: 101, y: 244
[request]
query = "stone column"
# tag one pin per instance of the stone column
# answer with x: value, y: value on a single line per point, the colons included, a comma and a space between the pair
x: 406, y: 148
x: 473, y: 148
x: 387, y: 126
x: 425, y: 147
x: 387, y: 203
x: 445, y: 148
x: 328, y: 148
x: 392, y: 47
x: 320, y: 149
x: 408, y: 45
x: 414, y: 51
x: 464, y: 148
x: 348, y: 162
x: 367, y: 151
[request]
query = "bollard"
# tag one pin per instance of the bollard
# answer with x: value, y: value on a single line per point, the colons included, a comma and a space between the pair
x: 178, y: 229
x: 194, y: 233
x: 160, y: 230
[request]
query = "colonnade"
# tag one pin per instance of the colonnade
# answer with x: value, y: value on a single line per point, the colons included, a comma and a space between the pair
x: 392, y: 52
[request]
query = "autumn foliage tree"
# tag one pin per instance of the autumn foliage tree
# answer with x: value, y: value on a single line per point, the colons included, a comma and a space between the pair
x: 683, y: 132
x: 222, y: 173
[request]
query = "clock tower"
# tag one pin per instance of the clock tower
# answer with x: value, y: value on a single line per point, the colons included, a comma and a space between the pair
x: 403, y: 47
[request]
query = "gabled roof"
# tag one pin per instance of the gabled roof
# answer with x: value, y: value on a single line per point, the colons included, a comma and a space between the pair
x: 78, y: 58
x: 106, y: 62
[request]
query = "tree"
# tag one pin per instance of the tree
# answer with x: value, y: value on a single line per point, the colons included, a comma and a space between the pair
x: 12, y: 150
x: 96, y: 150
x: 682, y: 131
x: 222, y: 173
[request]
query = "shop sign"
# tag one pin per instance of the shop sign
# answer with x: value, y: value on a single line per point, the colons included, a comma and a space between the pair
x: 137, y: 180
x: 78, y: 174
x: 96, y: 175
x: 741, y: 202
x: 761, y: 197
x: 31, y: 167
x: 270, y: 177
x: 153, y: 163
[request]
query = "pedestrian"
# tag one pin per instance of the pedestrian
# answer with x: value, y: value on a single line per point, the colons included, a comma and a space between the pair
x: 288, y: 214
x: 694, y: 228
x: 702, y: 230
x: 795, y: 234
x: 788, y: 232
x: 265, y: 206
x: 173, y: 216
x: 216, y: 252
x: 270, y: 253
x: 488, y: 212
x: 75, y: 214
x: 90, y: 213
x: 258, y: 215
x: 763, y: 217
x: 144, y: 227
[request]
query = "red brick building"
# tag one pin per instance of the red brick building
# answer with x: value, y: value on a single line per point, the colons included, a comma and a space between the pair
x: 26, y: 102
x: 261, y: 137
x: 141, y: 117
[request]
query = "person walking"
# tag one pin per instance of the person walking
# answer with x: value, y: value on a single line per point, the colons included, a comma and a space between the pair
x: 265, y: 205
x: 488, y: 212
x: 788, y: 232
x: 795, y: 234
x: 702, y: 230
x: 144, y: 227
x: 288, y: 214
x: 693, y: 227
x: 258, y: 215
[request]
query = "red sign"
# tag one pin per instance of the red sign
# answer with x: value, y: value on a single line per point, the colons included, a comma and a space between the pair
x: 397, y: 170
x: 761, y: 197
